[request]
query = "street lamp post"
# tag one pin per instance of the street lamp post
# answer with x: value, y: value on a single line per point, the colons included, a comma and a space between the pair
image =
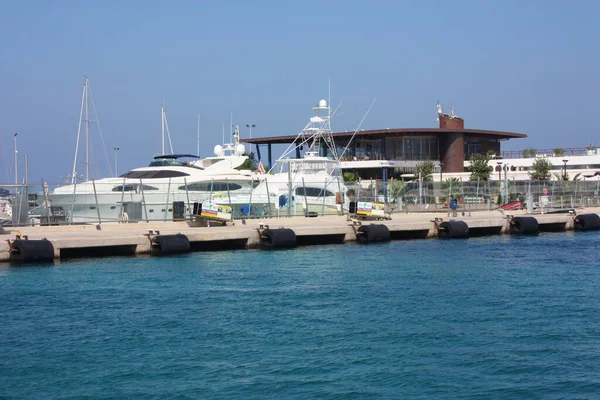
x: 565, y: 170
x: 420, y: 189
x: 441, y: 165
x: 500, y: 178
x: 499, y: 170
x: 506, y: 184
x: 250, y: 126
x: 116, y: 149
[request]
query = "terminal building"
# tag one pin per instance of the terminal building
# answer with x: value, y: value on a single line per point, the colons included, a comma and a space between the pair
x: 386, y: 153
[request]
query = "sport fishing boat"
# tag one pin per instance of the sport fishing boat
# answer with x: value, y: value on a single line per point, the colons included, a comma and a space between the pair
x: 311, y: 183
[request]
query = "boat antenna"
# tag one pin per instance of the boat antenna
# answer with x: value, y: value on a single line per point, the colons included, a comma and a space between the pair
x: 198, y: 142
x: 357, y: 129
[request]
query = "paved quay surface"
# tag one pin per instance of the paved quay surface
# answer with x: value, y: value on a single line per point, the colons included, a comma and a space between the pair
x: 136, y: 235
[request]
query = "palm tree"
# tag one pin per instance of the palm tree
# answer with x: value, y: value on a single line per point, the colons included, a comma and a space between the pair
x: 450, y: 188
x: 397, y: 191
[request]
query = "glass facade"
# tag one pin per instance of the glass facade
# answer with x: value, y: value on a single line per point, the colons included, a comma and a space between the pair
x: 481, y: 146
x: 409, y: 148
x: 368, y: 149
x: 412, y: 148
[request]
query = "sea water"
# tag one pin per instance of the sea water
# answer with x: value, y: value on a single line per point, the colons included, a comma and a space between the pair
x: 497, y: 317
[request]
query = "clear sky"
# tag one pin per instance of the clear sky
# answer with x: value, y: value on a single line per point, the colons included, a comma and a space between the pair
x: 528, y: 66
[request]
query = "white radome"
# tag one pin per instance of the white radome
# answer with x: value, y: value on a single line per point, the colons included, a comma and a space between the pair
x: 240, y: 149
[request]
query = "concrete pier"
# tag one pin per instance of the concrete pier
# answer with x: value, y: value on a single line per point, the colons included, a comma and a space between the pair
x: 135, y: 238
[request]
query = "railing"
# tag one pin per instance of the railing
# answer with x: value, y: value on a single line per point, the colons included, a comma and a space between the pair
x: 95, y: 203
x: 576, y: 151
x: 390, y: 157
x: 472, y: 195
x: 145, y: 201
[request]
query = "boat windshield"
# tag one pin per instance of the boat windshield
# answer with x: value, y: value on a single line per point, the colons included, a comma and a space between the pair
x: 172, y: 163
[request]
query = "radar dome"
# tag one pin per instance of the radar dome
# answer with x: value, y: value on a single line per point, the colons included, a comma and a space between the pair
x: 218, y: 150
x: 240, y: 149
x: 323, y: 103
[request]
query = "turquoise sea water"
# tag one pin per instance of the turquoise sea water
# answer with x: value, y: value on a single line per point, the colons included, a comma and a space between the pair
x: 497, y: 317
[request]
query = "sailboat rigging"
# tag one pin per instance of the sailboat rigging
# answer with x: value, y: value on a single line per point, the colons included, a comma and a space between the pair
x: 86, y: 98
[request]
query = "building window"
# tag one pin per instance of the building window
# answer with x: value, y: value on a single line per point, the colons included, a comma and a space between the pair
x: 473, y: 148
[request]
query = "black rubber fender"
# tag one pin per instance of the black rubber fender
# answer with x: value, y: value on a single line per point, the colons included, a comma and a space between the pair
x: 281, y: 238
x: 171, y: 244
x: 32, y: 251
x: 453, y: 230
x: 587, y: 222
x: 524, y: 226
x: 373, y: 233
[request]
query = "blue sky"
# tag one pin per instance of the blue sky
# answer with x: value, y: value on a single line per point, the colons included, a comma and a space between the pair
x: 522, y: 66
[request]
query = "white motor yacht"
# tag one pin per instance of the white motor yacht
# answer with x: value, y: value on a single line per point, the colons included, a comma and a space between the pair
x: 164, y: 190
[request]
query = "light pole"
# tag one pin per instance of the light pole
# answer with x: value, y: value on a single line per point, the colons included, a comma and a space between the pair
x: 506, y: 184
x: 420, y: 189
x: 441, y: 165
x: 249, y: 126
x: 499, y: 177
x: 565, y: 173
x: 16, y: 164
x: 116, y: 149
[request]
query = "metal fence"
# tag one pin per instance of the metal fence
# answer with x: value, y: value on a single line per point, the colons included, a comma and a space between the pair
x: 127, y: 202
x: 130, y: 201
x: 414, y: 196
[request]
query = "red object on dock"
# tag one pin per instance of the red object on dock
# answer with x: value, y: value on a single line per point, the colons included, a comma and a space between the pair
x: 512, y: 206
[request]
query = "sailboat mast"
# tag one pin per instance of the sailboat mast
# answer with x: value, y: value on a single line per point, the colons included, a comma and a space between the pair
x: 198, y: 143
x: 87, y: 134
x: 162, y: 122
x: 74, y: 172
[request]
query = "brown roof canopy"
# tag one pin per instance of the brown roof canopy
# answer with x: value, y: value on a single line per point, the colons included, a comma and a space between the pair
x: 379, y: 133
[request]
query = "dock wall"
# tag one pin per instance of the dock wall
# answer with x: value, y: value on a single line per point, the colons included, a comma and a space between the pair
x: 135, y: 238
